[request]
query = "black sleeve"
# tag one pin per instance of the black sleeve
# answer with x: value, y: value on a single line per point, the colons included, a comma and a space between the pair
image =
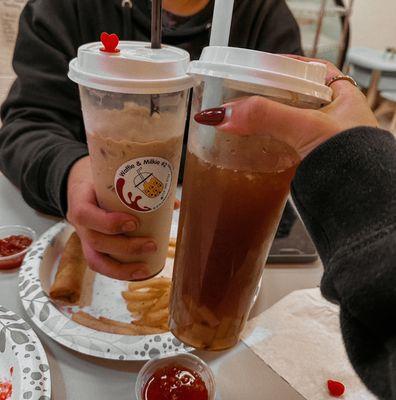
x: 280, y: 32
x: 346, y: 193
x: 42, y: 133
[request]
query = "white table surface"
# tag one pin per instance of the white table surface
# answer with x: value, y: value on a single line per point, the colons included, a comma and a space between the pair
x: 240, y: 374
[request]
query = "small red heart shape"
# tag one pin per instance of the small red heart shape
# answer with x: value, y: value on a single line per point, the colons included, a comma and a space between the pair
x: 110, y: 42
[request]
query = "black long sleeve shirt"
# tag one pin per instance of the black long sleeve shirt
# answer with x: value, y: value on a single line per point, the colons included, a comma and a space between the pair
x: 345, y: 191
x: 43, y: 133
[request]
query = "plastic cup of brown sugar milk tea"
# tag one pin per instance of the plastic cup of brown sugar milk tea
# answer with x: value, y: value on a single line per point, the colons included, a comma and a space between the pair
x: 234, y: 192
x: 134, y: 102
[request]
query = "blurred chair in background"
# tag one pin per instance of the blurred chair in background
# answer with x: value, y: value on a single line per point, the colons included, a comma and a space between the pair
x: 388, y: 106
x: 325, y: 27
x: 375, y: 71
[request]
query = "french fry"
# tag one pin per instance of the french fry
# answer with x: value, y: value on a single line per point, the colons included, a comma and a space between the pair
x: 140, y: 306
x: 161, y: 324
x: 91, y: 322
x: 151, y: 294
x: 82, y: 315
x: 163, y: 302
x: 156, y: 317
x: 156, y: 283
x: 172, y: 242
x: 149, y: 302
x: 114, y: 323
x: 138, y: 330
x: 171, y: 252
x: 115, y: 327
x: 150, y: 330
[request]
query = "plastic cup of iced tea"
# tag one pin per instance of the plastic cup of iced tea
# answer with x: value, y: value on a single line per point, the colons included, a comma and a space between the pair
x: 234, y: 192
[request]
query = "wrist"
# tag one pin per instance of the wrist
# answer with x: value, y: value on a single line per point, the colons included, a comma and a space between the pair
x: 80, y: 172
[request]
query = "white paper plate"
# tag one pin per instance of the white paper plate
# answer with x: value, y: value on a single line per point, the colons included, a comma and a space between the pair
x: 36, y: 275
x: 22, y: 359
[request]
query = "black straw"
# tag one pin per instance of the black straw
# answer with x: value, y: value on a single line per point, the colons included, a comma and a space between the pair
x: 156, y: 24
x: 156, y: 38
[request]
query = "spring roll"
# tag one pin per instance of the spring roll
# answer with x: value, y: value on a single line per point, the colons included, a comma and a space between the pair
x: 69, y: 278
x: 107, y: 325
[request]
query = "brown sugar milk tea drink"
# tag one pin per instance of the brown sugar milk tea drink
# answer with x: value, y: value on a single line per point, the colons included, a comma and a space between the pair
x: 134, y: 102
x: 234, y: 192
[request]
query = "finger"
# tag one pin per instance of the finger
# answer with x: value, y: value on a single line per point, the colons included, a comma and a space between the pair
x: 85, y: 212
x: 117, y: 244
x: 260, y: 116
x: 341, y: 87
x: 105, y: 265
x: 332, y: 70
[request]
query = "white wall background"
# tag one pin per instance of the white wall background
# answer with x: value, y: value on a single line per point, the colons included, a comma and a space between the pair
x: 374, y: 23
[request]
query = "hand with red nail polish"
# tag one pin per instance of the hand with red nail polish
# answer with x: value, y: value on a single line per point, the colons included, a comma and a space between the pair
x: 302, y: 129
x: 103, y: 232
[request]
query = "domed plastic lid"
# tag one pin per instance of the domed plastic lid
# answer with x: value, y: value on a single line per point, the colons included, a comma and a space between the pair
x: 133, y: 67
x: 256, y: 72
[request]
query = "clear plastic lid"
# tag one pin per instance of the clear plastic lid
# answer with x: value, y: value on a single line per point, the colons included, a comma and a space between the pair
x: 263, y: 73
x: 135, y: 68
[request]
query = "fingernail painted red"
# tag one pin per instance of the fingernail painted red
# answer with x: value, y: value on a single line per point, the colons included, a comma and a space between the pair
x: 211, y: 117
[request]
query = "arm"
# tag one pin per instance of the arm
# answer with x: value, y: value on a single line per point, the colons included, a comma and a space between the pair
x: 345, y: 191
x: 43, y: 145
x: 43, y: 133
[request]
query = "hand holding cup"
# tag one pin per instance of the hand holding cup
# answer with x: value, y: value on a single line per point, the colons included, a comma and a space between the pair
x: 103, y: 232
x: 302, y: 129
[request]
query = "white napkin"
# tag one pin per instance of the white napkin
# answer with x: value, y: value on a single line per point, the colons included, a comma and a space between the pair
x: 300, y: 339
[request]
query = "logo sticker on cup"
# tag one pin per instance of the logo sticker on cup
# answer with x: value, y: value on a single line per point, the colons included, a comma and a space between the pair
x: 143, y: 184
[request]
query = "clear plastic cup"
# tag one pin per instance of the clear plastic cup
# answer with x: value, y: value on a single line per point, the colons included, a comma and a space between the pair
x: 234, y: 192
x: 134, y: 105
x: 135, y: 157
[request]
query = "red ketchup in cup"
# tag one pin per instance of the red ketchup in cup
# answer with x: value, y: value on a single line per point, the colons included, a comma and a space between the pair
x: 12, y: 245
x: 175, y: 377
x: 175, y: 382
x: 5, y: 390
